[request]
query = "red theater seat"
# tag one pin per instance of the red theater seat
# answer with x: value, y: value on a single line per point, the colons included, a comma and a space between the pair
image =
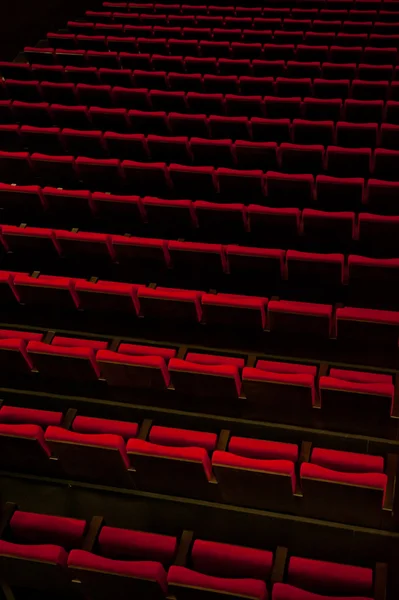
x: 207, y: 375
x: 326, y: 577
x: 300, y: 317
x: 248, y: 466
x: 96, y: 457
x: 165, y: 303
x: 361, y: 323
x: 46, y: 289
x: 378, y: 234
x: 136, y: 366
x: 107, y: 296
x: 174, y: 461
x: 234, y: 311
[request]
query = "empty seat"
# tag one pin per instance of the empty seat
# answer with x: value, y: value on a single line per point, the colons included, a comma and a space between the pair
x: 46, y: 290
x: 15, y: 167
x: 252, y: 86
x: 300, y: 318
x: 141, y: 254
x: 256, y: 155
x: 229, y: 127
x: 218, y: 153
x: 242, y: 312
x: 170, y: 149
x: 94, y: 95
x: 191, y: 125
x: 305, y: 268
x: 291, y: 87
x: 357, y: 135
x: 378, y: 234
x: 283, y: 108
x: 339, y: 193
x: 381, y: 196
x: 331, y: 88
x: 214, y: 84
x: 207, y: 375
x: 281, y: 188
x: 20, y: 200
x: 265, y: 384
x: 296, y: 158
x: 167, y: 302
x: 348, y: 162
x: 272, y: 130
x: 322, y: 109
x: 329, y: 230
x: 127, y: 145
x: 205, y: 103
x: 364, y: 111
x: 236, y: 184
x: 193, y: 182
x: 280, y: 225
x: 219, y: 220
x: 75, y: 117
x: 385, y: 162
x: 29, y: 113
x: 313, y: 132
x: 245, y: 106
x: 256, y: 267
x: 369, y: 90
x: 99, y: 174
x: 141, y: 178
x: 38, y: 241
x: 86, y: 143
x: 173, y: 460
x: 135, y: 366
x: 358, y: 324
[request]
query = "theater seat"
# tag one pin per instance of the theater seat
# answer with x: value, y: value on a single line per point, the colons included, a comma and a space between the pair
x: 232, y: 310
x: 283, y: 591
x: 207, y: 375
x: 378, y: 234
x: 45, y: 290
x: 166, y: 303
x: 326, y: 577
x: 300, y: 317
x: 250, y: 467
x: 360, y: 323
x: 174, y: 461
x: 126, y: 577
x: 107, y: 296
x: 136, y: 366
x: 263, y: 385
x: 98, y: 457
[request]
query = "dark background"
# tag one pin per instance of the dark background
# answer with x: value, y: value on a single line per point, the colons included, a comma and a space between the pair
x: 24, y: 22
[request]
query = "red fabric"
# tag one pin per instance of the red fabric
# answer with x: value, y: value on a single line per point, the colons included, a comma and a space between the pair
x: 96, y: 425
x: 378, y: 389
x: 340, y: 579
x: 313, y: 257
x: 261, y: 252
x: 42, y: 553
x: 31, y: 432
x: 65, y: 351
x: 7, y: 334
x: 110, y: 287
x: 351, y: 462
x: 250, y: 588
x: 214, y: 359
x: 360, y: 376
x: 282, y: 591
x: 155, y: 362
x: 59, y: 340
x: 226, y: 560
x: 17, y: 345
x: 228, y: 371
x: 61, y: 530
x: 374, y: 262
x: 368, y: 314
x: 283, y: 367
x: 139, y: 350
x: 303, y: 380
x: 31, y: 416
x: 235, y: 300
x: 263, y: 449
x: 149, y: 570
x: 103, y: 440
x: 229, y: 459
x: 139, y: 545
x: 192, y: 297
x: 188, y: 453
x: 302, y: 308
x: 372, y: 480
x: 168, y: 436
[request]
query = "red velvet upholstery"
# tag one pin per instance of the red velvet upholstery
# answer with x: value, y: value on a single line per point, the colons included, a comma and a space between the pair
x: 373, y: 480
x: 140, y: 350
x: 189, y: 454
x: 317, y: 576
x: 141, y: 362
x: 351, y: 462
x: 83, y: 353
x: 263, y: 449
x: 96, y: 425
x: 285, y: 467
x: 29, y: 416
x: 47, y: 529
x: 103, y: 440
x: 226, y: 560
x: 138, y: 545
x: 287, y: 368
x: 168, y: 436
x: 222, y: 370
x: 31, y: 432
x: 298, y: 379
x: 149, y: 570
x: 43, y: 552
x: 214, y: 359
x: 249, y: 588
x: 282, y: 591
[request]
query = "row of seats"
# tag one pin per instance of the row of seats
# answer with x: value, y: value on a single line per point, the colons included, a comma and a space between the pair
x: 249, y: 26
x: 284, y: 87
x: 243, y: 154
x: 193, y: 257
x: 167, y: 112
x: 277, y: 9
x: 190, y: 306
x: 212, y: 66
x: 191, y: 48
x: 184, y: 462
x: 142, y: 563
x: 181, y: 181
x: 284, y: 30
